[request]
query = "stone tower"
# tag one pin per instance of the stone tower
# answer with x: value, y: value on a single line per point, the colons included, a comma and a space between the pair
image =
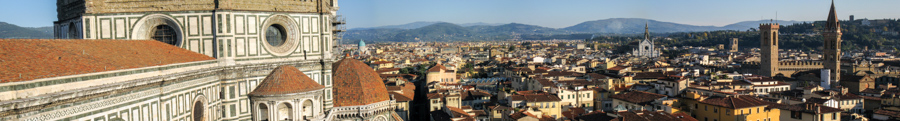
x: 734, y: 45
x: 768, y: 34
x: 832, y: 44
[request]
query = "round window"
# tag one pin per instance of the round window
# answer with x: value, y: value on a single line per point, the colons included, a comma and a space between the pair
x: 275, y: 35
x: 280, y: 35
x: 165, y: 34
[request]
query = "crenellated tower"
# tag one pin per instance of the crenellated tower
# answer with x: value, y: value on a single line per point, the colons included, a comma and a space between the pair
x: 832, y: 44
x: 768, y: 34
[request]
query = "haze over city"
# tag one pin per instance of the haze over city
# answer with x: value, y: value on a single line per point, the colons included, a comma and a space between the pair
x: 463, y: 60
x: 554, y: 14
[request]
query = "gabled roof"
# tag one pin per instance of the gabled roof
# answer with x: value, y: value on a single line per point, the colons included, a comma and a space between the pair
x: 638, y: 97
x: 437, y: 68
x: 29, y: 59
x: 537, y: 97
x: 735, y: 102
x: 644, y: 115
x: 522, y: 114
x: 285, y: 80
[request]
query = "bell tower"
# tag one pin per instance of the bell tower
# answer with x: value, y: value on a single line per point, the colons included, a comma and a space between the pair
x: 832, y: 44
x: 768, y: 35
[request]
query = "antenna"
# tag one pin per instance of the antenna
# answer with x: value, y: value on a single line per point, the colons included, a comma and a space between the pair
x: 776, y: 16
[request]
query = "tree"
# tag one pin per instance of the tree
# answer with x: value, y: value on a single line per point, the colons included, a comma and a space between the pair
x: 512, y: 48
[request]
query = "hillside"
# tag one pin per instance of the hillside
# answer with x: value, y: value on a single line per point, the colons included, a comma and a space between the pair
x: 13, y: 31
x: 432, y: 31
x: 634, y: 25
x: 803, y: 36
x: 516, y: 28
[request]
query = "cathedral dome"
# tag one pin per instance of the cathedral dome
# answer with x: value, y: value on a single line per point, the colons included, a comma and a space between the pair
x: 355, y: 83
x: 285, y: 80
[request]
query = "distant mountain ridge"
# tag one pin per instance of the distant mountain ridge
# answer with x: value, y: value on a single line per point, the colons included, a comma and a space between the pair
x: 419, y: 24
x: 12, y: 31
x: 431, y: 31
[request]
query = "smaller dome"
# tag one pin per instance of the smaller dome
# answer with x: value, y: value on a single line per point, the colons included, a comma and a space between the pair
x: 355, y: 83
x: 285, y: 80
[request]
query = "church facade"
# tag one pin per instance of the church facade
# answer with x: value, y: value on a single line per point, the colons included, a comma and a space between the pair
x: 646, y: 47
x: 149, y: 60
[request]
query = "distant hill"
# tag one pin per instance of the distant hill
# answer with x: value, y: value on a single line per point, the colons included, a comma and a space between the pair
x: 479, y: 24
x: 47, y: 29
x: 13, y: 31
x: 412, y: 25
x: 516, y: 28
x: 744, y: 25
x: 435, y: 32
x: 443, y: 31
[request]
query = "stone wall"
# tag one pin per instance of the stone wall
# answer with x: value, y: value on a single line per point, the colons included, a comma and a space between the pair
x: 306, y: 6
x: 127, y: 6
x: 68, y: 9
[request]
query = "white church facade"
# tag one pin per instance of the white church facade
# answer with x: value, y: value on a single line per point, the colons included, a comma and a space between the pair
x: 201, y: 60
x: 646, y: 48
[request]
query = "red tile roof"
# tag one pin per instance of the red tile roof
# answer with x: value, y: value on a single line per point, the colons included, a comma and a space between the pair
x: 638, y: 97
x: 457, y: 112
x: 404, y: 92
x: 286, y: 80
x: 522, y: 113
x: 540, y: 97
x: 387, y: 70
x: 437, y: 68
x: 357, y: 84
x: 644, y: 115
x: 382, y: 62
x: 735, y: 102
x: 29, y: 59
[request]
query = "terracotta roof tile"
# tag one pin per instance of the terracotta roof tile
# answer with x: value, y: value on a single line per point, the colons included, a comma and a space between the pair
x: 735, y: 102
x: 539, y: 97
x: 638, y: 97
x: 286, y: 80
x: 813, y: 108
x: 357, y: 84
x: 29, y: 59
x: 437, y: 68
x: 652, y: 116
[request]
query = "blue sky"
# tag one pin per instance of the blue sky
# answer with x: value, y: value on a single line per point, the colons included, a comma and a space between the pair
x: 549, y: 13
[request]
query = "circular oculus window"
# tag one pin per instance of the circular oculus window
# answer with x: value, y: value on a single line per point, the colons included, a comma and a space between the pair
x: 281, y: 35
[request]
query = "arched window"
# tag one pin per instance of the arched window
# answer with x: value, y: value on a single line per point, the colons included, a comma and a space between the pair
x: 263, y: 112
x: 165, y: 34
x: 73, y: 31
x: 198, y: 111
x: 285, y: 112
x: 275, y: 35
x: 774, y: 38
x: 308, y: 109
